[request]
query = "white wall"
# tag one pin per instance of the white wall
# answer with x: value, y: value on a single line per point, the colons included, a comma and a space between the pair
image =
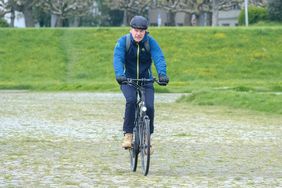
x: 229, y: 18
x: 19, y: 19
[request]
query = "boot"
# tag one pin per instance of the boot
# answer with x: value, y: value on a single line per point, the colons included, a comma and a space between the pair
x: 127, y: 141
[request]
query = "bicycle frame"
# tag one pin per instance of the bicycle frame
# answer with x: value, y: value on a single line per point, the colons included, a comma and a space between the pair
x: 141, y: 140
x: 140, y: 105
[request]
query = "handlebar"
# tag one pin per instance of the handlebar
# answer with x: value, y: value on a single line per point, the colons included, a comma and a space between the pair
x: 131, y: 81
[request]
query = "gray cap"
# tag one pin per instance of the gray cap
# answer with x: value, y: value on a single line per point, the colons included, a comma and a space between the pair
x: 139, y: 22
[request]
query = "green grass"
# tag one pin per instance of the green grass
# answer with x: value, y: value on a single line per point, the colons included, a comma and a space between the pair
x: 267, y: 23
x: 258, y: 101
x: 63, y: 59
x: 209, y: 59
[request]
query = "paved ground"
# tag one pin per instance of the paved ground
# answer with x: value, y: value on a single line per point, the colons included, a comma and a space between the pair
x: 73, y: 140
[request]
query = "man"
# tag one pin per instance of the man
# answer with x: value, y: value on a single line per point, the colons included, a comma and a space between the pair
x: 133, y: 55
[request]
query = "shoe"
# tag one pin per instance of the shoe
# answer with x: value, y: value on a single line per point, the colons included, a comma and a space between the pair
x: 127, y: 141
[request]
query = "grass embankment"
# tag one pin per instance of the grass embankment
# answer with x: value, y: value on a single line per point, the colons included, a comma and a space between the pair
x: 220, y: 66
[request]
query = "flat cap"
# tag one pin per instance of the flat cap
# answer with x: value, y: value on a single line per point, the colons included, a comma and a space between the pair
x: 139, y: 22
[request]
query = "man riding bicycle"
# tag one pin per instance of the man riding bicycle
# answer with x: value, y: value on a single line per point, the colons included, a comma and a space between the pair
x: 133, y: 55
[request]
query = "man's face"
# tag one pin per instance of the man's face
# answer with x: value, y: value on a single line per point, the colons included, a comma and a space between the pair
x: 138, y: 34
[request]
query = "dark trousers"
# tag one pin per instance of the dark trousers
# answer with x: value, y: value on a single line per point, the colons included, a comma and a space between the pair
x: 129, y: 93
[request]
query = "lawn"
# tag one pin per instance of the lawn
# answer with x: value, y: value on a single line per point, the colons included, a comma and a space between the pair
x: 214, y: 60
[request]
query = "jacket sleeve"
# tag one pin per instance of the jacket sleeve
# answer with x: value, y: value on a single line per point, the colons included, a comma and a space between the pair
x: 119, y: 55
x: 157, y: 56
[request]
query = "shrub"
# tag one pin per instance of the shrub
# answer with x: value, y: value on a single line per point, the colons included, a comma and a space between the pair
x: 275, y: 10
x: 3, y: 23
x: 255, y: 15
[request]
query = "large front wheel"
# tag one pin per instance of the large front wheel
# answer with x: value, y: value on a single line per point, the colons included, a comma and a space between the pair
x: 145, y: 145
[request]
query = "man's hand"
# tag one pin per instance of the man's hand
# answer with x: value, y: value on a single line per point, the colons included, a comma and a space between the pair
x: 121, y: 79
x: 163, y: 80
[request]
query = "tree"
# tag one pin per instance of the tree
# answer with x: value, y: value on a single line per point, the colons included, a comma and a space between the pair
x: 141, y: 7
x: 255, y: 15
x: 201, y: 8
x: 5, y: 8
x: 24, y: 6
x: 275, y: 10
x: 129, y: 8
x: 174, y: 6
x: 3, y: 23
x: 225, y: 5
x: 222, y: 5
x: 66, y: 9
x: 40, y: 11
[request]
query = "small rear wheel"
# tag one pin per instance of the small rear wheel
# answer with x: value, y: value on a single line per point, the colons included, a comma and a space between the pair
x: 145, y: 145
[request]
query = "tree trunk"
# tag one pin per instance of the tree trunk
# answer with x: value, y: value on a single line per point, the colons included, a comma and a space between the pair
x: 12, y: 23
x: 59, y: 21
x: 215, y: 11
x: 27, y: 11
x: 76, y: 22
x: 205, y: 18
x: 171, y: 18
x: 125, y: 14
x: 187, y: 19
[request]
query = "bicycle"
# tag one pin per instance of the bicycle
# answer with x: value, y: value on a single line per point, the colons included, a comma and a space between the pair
x: 141, y: 141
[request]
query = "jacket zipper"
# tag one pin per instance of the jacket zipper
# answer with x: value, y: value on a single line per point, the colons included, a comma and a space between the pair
x: 138, y: 61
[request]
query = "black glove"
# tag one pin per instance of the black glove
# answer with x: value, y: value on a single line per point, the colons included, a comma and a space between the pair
x: 121, y: 79
x: 163, y: 80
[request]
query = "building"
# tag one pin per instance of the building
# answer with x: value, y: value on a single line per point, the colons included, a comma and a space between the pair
x: 159, y: 17
x: 228, y: 18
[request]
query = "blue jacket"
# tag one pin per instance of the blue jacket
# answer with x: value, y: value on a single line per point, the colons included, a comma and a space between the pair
x: 137, y: 61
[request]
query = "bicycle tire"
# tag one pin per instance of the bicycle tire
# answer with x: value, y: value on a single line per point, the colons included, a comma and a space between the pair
x: 134, y: 152
x: 145, y: 145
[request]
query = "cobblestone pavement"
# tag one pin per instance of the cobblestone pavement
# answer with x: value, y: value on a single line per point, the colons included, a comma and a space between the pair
x: 74, y: 140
